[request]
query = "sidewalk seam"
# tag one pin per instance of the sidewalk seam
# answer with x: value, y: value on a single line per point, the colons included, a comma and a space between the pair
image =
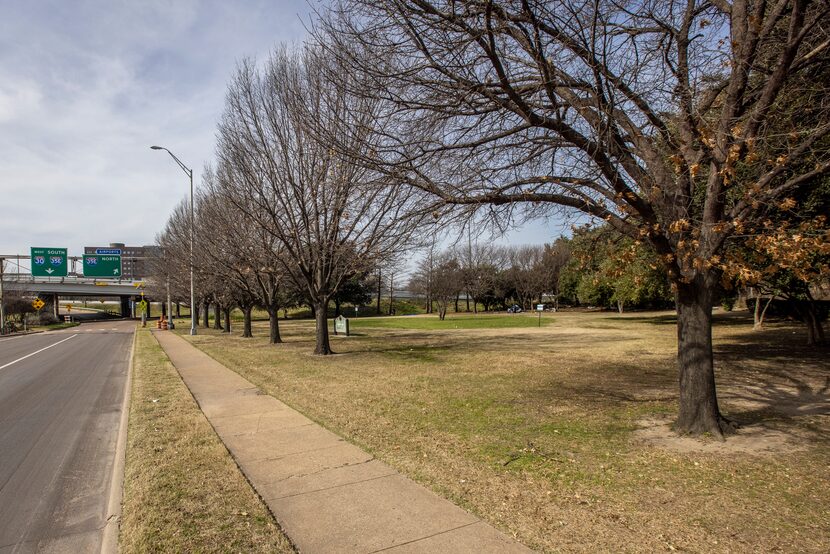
x: 427, y: 537
x: 332, y: 487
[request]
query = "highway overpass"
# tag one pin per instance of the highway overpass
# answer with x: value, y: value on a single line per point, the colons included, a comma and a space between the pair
x: 51, y: 289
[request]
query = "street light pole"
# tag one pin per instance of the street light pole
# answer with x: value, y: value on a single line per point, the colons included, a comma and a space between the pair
x: 192, y: 287
x: 189, y: 173
x: 2, y: 307
x: 170, y: 324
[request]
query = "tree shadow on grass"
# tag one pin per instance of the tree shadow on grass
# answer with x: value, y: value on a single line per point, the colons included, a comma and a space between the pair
x: 449, y: 345
x: 786, y: 346
x: 719, y: 319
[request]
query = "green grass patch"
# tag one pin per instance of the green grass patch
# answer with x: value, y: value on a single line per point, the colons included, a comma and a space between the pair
x: 427, y: 322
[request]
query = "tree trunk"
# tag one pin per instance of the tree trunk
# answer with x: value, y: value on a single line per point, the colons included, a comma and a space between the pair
x: 699, y: 412
x: 809, y: 313
x: 217, y: 317
x: 274, y: 325
x: 457, y: 298
x: 741, y: 302
x: 195, y: 311
x: 246, y: 322
x: 178, y: 310
x: 206, y: 315
x: 759, y: 315
x: 467, y: 295
x: 336, y: 308
x: 620, y: 306
x: 227, y: 315
x: 392, y: 294
x: 380, y: 287
x: 323, y: 347
x: 442, y: 310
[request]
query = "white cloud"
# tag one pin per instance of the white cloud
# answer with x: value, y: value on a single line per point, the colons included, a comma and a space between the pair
x: 18, y: 98
x: 87, y: 87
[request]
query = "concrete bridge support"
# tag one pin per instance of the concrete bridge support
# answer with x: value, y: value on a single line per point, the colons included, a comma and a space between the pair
x: 125, y: 306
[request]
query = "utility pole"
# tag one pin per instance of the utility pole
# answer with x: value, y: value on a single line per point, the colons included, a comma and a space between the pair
x: 2, y: 305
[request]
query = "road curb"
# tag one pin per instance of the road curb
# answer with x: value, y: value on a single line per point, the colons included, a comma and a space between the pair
x: 109, y: 541
x: 18, y: 335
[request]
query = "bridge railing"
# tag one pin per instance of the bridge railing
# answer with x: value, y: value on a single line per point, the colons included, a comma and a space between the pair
x: 69, y: 279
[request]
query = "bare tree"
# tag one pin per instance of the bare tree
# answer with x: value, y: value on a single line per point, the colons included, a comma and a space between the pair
x: 447, y: 281
x: 555, y: 258
x: 527, y: 273
x: 173, y: 265
x: 644, y: 114
x: 480, y: 264
x: 332, y: 216
x: 247, y: 254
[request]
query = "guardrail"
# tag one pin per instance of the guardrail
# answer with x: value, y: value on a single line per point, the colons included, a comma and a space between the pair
x: 70, y: 279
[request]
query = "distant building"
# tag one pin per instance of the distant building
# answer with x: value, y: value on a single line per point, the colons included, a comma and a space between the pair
x: 135, y: 260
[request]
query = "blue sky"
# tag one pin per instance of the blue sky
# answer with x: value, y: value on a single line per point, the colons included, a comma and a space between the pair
x: 85, y: 89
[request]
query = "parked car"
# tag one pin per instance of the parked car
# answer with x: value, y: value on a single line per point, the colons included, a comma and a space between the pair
x: 514, y: 309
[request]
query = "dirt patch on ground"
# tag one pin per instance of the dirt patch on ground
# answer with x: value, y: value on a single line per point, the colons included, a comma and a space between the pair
x: 757, y: 439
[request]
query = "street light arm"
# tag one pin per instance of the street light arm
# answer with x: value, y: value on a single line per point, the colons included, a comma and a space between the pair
x: 189, y: 173
x: 187, y: 170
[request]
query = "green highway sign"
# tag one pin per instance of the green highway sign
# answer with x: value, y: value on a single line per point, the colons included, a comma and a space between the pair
x: 49, y: 262
x: 97, y: 265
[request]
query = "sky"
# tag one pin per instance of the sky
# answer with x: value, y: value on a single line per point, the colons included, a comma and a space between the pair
x: 86, y: 87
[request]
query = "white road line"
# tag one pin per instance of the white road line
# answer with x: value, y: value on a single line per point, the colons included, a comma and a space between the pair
x: 36, y: 352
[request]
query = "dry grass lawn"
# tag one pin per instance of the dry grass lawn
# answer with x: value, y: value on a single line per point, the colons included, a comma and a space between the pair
x: 554, y: 434
x: 182, y: 490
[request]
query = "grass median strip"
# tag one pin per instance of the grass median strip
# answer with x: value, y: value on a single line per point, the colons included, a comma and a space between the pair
x: 182, y: 490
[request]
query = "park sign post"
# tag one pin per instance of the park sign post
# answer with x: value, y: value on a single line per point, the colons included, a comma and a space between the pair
x: 97, y: 265
x: 49, y: 262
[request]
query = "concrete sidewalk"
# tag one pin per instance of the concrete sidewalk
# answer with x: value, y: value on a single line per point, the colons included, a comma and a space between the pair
x: 328, y: 495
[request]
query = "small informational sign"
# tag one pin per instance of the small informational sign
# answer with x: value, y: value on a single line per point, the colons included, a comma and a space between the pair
x: 108, y: 251
x: 38, y: 304
x: 49, y: 262
x: 540, y: 307
x: 341, y: 325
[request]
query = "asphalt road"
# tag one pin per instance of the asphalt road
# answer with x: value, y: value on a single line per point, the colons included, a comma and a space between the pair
x: 60, y: 406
